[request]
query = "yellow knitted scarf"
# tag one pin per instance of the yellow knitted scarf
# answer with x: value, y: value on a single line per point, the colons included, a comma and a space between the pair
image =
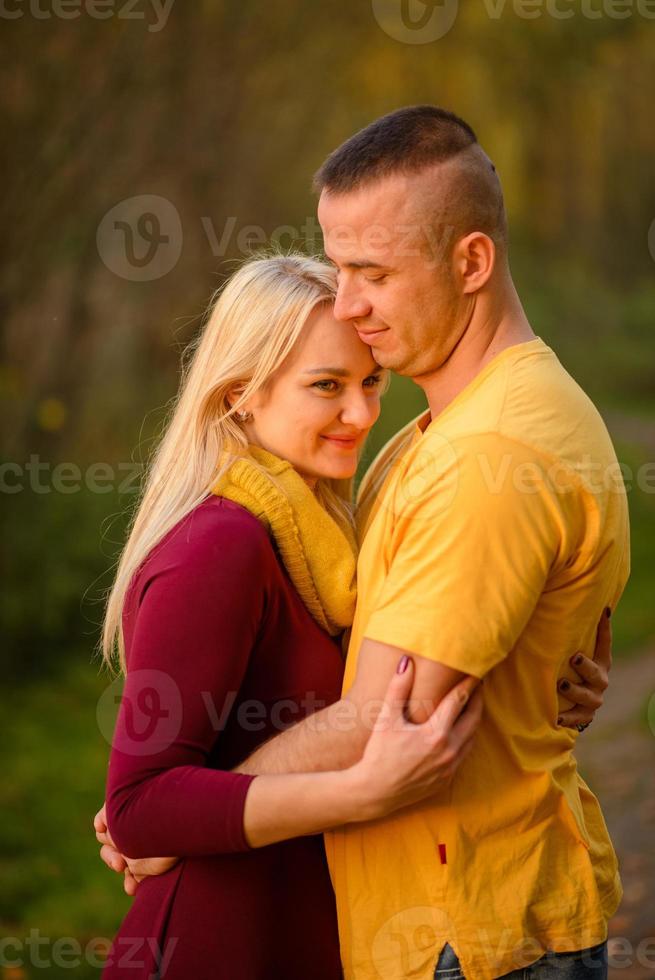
x: 319, y: 555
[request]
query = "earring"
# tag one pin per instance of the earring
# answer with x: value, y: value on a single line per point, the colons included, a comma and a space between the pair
x: 244, y: 416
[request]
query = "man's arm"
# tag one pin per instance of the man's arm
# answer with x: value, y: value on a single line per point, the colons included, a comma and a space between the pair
x: 335, y: 737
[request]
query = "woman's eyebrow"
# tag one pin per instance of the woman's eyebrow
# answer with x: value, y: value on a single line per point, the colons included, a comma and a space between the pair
x: 339, y: 372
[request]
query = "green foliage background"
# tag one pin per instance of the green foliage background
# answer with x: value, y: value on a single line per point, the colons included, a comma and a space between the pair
x: 226, y: 112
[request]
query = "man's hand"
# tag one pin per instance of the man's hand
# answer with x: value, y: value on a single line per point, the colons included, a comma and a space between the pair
x: 135, y: 870
x: 587, y: 697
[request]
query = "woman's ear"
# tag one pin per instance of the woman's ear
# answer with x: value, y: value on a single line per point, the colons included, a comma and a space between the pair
x: 234, y: 394
x: 244, y: 414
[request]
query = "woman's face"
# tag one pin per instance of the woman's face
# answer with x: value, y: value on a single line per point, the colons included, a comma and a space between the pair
x: 318, y: 408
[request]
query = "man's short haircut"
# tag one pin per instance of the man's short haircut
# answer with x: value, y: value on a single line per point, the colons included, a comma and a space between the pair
x: 409, y: 140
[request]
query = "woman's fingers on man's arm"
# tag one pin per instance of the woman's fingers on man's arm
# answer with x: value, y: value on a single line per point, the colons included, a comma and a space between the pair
x: 575, y: 716
x: 450, y: 714
x: 454, y: 723
x: 594, y: 675
x: 582, y: 696
x: 594, y: 671
x: 587, y: 696
x: 467, y: 724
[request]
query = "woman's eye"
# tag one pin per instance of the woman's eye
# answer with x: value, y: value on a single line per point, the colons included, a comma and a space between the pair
x: 372, y: 381
x: 326, y: 385
x: 376, y: 278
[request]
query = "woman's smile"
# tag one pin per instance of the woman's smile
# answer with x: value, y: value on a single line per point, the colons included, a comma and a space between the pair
x: 348, y: 442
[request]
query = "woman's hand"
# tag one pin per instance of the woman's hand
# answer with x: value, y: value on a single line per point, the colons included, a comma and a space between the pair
x: 135, y: 870
x: 587, y: 697
x: 403, y: 762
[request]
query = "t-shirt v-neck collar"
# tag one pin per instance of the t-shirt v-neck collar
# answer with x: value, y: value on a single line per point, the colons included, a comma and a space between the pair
x: 425, y: 421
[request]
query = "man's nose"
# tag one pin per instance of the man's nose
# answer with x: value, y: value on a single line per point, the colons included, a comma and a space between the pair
x: 350, y: 304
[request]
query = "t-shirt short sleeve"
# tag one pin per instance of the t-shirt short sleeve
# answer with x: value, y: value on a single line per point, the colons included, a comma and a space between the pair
x: 476, y: 529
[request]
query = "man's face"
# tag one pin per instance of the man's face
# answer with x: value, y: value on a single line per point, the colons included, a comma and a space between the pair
x: 396, y: 279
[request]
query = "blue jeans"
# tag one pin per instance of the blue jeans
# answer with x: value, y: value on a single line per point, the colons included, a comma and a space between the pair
x: 584, y: 964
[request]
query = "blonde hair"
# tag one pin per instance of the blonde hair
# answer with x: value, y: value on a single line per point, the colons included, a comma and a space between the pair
x: 253, y: 323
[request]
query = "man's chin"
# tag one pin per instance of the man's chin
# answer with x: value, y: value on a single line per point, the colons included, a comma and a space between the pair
x: 386, y: 360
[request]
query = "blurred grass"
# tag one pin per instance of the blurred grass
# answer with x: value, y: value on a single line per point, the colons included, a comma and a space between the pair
x: 53, y: 783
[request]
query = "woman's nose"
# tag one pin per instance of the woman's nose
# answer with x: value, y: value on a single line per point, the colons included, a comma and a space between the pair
x: 360, y: 410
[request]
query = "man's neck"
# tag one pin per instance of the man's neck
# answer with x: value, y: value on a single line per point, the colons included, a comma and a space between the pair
x: 491, y: 329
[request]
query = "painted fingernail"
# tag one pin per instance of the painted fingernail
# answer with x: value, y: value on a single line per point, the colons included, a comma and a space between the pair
x: 577, y: 659
x: 608, y: 612
x: 564, y: 685
x: 402, y: 664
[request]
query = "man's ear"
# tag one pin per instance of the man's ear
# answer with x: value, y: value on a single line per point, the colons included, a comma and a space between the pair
x: 474, y: 260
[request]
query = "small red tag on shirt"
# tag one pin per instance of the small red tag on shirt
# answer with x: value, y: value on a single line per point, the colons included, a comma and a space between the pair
x: 442, y: 853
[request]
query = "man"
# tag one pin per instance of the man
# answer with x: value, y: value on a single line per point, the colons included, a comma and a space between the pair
x: 494, y: 534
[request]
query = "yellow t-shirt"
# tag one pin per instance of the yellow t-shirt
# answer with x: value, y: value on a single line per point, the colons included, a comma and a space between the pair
x: 498, y: 537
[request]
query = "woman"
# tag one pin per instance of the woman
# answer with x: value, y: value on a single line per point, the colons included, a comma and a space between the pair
x: 233, y: 591
x: 234, y: 588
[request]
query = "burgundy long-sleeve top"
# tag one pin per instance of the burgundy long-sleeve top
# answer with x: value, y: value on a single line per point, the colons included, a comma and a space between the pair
x: 221, y: 654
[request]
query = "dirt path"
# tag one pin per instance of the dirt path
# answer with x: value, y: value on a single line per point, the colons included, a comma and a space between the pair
x: 616, y: 758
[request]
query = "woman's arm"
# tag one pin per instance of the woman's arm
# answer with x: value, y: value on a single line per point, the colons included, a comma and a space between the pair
x: 196, y: 618
x: 198, y: 612
x: 402, y: 763
x: 364, y: 790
